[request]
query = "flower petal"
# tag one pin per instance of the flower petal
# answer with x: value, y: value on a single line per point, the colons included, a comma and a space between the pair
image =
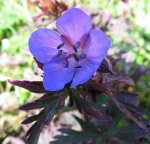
x: 56, y: 76
x: 97, y: 44
x: 74, y: 24
x: 95, y: 50
x: 43, y: 44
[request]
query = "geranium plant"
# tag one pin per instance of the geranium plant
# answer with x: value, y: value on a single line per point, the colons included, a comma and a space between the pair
x: 74, y: 64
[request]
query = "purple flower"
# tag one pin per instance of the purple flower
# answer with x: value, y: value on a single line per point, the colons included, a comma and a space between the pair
x: 72, y: 55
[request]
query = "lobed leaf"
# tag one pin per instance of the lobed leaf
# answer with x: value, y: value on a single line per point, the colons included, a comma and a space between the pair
x: 83, y: 105
x: 43, y: 101
x: 71, y: 136
x: 33, y: 86
x: 131, y: 111
x: 31, y: 119
x: 130, y: 132
x: 96, y: 86
x: 125, y: 80
x: 84, y: 125
x: 46, y: 115
x: 106, y: 66
x: 50, y: 104
x: 128, y: 97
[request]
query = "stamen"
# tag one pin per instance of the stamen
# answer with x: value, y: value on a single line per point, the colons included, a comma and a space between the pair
x: 62, y: 52
x: 82, y: 56
x: 76, y: 57
x: 79, y: 66
x: 59, y: 53
x: 60, y: 46
x: 76, y: 46
x: 67, y: 63
x: 75, y: 49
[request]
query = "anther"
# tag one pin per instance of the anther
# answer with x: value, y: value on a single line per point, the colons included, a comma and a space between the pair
x: 66, y: 64
x: 82, y: 56
x: 60, y: 46
x: 79, y: 66
x: 76, y: 46
x: 59, y: 53
x: 75, y: 49
x: 76, y: 57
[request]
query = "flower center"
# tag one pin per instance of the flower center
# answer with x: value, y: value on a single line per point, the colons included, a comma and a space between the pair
x: 68, y: 50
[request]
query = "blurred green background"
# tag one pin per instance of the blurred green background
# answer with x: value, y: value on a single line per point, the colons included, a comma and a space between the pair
x: 126, y: 22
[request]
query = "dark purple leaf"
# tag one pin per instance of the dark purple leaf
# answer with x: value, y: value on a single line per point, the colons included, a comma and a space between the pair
x: 129, y: 132
x: 71, y: 101
x: 34, y: 105
x: 131, y: 113
x: 93, y: 112
x: 31, y: 119
x: 50, y: 104
x: 84, y: 125
x: 40, y: 65
x: 83, y: 105
x: 115, y: 140
x: 139, y: 72
x: 95, y: 86
x: 106, y: 66
x: 128, y: 97
x: 48, y: 96
x: 33, y: 86
x: 39, y: 103
x: 30, y: 130
x: 61, y: 102
x: 79, y: 107
x: 46, y: 115
x: 70, y: 136
x: 125, y: 80
x: 51, y: 8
